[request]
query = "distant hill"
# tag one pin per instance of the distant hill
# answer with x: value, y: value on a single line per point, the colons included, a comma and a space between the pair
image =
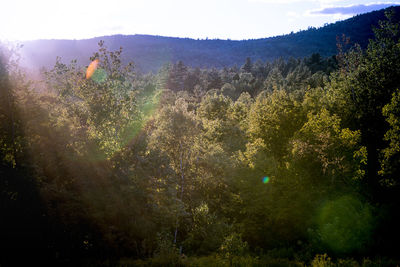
x: 150, y: 52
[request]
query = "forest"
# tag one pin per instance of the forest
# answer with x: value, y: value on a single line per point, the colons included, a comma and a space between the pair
x: 290, y: 162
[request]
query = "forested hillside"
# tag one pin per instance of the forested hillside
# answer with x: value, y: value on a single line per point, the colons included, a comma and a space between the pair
x: 151, y: 52
x: 278, y: 163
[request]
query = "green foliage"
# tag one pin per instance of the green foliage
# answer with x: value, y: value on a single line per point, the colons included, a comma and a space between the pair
x: 233, y: 245
x: 274, y: 118
x: 347, y: 263
x: 212, y: 261
x: 167, y: 254
x: 322, y: 261
x: 260, y: 165
x: 323, y: 146
x: 207, y: 232
x: 363, y: 86
x: 390, y: 162
x: 345, y: 225
x: 379, y: 262
x: 108, y: 109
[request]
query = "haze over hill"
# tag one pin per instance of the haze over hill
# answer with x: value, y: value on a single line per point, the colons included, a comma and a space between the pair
x: 151, y: 52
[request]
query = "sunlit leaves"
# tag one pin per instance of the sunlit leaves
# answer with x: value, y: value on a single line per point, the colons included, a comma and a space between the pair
x: 108, y: 110
x: 391, y: 155
x: 321, y: 141
x: 275, y: 117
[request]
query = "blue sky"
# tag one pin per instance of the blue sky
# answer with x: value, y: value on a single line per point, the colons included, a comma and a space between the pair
x: 223, y: 19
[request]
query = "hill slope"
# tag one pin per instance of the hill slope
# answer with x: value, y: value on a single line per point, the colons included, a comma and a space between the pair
x: 150, y: 52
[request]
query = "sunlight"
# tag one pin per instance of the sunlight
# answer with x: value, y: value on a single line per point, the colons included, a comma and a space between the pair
x: 45, y: 19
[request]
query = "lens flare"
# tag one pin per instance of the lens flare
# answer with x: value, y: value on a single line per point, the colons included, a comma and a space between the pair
x: 91, y: 69
x: 99, y: 75
x: 265, y: 179
x: 345, y: 224
x: 113, y: 140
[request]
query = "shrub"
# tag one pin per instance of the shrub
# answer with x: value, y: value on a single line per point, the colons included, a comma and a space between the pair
x: 208, y: 261
x: 347, y: 263
x: 379, y: 263
x: 322, y: 260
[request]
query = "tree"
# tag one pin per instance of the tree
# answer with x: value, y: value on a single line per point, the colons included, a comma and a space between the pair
x: 105, y: 108
x: 248, y: 66
x: 390, y: 163
x: 327, y: 151
x: 175, y: 133
x: 20, y: 197
x: 274, y: 118
x: 363, y: 87
x: 274, y: 80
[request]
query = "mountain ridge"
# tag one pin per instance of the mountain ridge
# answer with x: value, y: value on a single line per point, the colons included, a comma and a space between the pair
x: 151, y: 52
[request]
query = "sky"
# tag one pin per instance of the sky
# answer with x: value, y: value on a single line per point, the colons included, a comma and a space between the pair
x: 199, y: 19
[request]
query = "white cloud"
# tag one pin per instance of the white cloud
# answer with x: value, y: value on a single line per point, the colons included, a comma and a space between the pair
x: 343, y: 12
